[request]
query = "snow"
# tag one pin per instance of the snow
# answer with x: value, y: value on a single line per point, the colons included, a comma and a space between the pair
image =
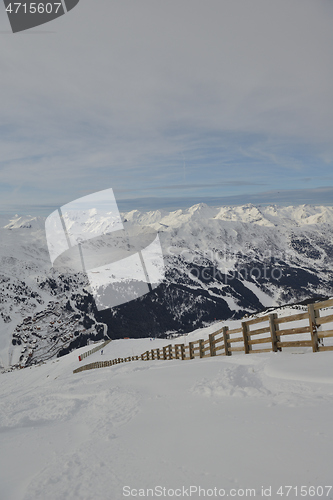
x: 221, y: 238
x: 264, y: 298
x: 273, y: 215
x: 243, y: 421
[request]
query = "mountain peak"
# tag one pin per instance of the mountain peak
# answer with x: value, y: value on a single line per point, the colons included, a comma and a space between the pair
x: 25, y: 222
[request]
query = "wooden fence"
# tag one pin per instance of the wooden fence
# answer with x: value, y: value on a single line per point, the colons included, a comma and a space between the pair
x: 264, y: 334
x: 92, y: 351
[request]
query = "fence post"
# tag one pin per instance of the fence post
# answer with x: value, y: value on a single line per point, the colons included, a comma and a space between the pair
x: 201, y: 348
x: 158, y: 354
x: 182, y: 350
x: 313, y: 327
x: 170, y: 351
x: 226, y: 337
x: 190, y: 346
x: 274, y: 336
x: 245, y: 328
x: 212, y: 344
x: 152, y: 354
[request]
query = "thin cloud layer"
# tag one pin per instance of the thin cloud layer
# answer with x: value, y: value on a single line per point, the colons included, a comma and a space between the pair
x: 137, y: 95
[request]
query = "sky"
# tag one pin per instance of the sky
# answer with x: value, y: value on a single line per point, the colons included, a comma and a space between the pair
x: 169, y: 104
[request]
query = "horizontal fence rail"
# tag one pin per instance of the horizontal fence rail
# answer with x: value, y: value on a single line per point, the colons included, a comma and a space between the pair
x: 265, y: 334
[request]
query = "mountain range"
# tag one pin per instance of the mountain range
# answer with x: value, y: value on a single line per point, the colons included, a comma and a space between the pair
x: 220, y: 263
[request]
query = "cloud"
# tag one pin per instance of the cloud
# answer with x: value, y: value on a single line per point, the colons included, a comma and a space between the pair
x: 134, y: 95
x: 292, y: 197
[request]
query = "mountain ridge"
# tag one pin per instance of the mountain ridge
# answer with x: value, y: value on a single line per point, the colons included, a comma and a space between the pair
x: 221, y: 263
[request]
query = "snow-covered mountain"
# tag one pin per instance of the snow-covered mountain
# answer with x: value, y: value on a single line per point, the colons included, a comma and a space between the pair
x: 221, y: 263
x: 124, y: 430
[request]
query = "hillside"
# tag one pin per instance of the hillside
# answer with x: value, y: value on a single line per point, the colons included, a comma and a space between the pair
x: 221, y: 263
x: 233, y: 424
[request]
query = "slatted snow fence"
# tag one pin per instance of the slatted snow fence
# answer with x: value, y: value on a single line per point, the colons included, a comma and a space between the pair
x: 92, y: 351
x: 265, y: 334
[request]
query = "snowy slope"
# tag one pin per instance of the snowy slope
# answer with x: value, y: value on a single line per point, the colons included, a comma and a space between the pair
x: 228, y: 423
x: 38, y: 308
x: 273, y: 254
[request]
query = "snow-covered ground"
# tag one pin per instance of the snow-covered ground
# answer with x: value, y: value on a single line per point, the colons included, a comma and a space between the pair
x: 230, y: 423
